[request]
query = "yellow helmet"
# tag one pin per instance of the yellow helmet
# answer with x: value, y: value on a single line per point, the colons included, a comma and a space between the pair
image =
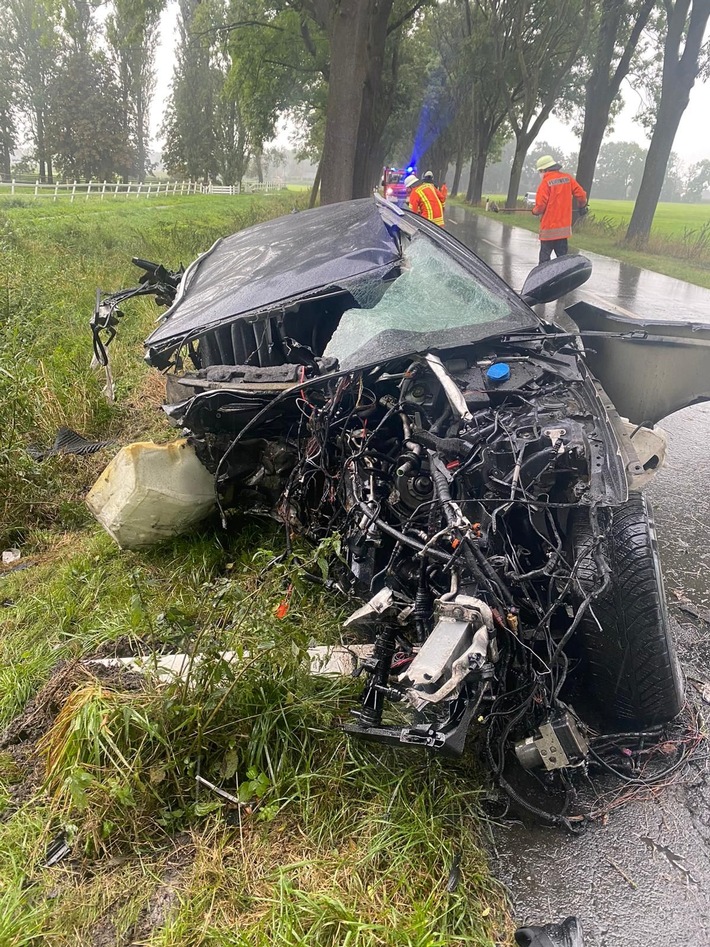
x: 545, y: 162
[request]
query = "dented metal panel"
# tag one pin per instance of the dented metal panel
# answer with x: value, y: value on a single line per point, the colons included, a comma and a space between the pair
x: 648, y: 368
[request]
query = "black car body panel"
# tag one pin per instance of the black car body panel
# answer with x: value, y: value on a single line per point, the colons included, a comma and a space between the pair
x: 350, y: 250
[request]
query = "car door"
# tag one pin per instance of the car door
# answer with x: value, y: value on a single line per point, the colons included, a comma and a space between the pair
x: 649, y: 368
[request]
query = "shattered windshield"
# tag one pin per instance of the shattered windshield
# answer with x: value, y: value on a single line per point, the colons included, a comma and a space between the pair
x: 435, y: 302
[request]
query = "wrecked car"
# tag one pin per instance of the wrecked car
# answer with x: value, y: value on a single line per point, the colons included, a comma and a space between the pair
x: 355, y: 369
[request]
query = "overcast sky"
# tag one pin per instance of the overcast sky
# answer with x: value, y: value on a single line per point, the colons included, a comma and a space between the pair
x: 692, y: 142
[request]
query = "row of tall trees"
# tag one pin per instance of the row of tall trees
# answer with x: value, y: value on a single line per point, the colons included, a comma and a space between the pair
x: 77, y: 85
x: 443, y: 83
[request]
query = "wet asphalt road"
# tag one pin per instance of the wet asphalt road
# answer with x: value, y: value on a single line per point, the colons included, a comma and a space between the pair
x: 643, y: 878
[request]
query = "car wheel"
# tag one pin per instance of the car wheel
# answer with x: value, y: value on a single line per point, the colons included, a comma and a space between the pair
x: 631, y: 660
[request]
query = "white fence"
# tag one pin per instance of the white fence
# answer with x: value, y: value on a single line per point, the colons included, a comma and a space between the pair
x: 85, y: 190
x: 260, y: 187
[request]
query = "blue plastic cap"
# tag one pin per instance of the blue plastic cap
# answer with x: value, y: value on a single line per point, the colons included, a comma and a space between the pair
x: 498, y: 372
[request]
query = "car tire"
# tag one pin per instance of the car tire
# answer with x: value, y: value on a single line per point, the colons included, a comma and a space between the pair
x: 631, y: 661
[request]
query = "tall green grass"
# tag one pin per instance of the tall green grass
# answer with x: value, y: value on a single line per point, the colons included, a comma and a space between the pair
x: 52, y: 259
x: 334, y: 842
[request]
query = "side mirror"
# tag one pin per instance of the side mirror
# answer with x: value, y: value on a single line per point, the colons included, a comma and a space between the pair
x: 554, y: 279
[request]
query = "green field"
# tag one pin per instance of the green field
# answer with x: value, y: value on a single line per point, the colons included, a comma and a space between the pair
x: 673, y: 219
x: 334, y: 843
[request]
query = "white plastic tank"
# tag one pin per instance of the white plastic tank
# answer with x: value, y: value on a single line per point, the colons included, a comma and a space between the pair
x: 150, y: 492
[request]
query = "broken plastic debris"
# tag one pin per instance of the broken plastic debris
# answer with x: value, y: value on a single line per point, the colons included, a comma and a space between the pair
x: 11, y: 555
x: 68, y: 442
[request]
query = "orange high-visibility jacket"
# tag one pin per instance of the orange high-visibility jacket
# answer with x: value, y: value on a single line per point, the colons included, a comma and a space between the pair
x: 424, y: 200
x: 553, y: 202
x: 443, y: 193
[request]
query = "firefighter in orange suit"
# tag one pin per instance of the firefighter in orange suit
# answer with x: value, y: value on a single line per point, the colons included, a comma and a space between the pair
x: 442, y: 191
x: 424, y: 199
x: 554, y: 204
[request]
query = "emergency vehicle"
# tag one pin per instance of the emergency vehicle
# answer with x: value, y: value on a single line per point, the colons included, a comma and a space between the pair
x: 393, y: 188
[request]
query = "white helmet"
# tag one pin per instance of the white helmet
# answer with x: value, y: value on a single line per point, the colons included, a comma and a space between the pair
x: 411, y: 180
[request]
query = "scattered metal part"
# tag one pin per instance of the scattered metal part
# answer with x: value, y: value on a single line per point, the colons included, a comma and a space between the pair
x: 68, y: 442
x: 56, y: 851
x: 566, y: 934
x: 559, y: 742
x: 378, y: 605
x: 222, y: 793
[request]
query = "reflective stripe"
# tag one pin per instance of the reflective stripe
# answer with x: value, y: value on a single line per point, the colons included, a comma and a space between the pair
x: 555, y: 233
x: 429, y: 198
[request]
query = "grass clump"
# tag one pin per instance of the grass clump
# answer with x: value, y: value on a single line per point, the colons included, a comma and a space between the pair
x: 52, y: 259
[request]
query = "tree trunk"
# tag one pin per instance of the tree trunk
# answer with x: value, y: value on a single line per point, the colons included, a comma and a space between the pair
x: 140, y: 133
x: 458, y: 168
x: 358, y: 35
x: 316, y: 185
x: 475, y: 183
x: 367, y: 137
x: 40, y: 146
x: 596, y: 118
x: 522, y: 144
x: 687, y: 20
x: 605, y: 81
x: 654, y: 171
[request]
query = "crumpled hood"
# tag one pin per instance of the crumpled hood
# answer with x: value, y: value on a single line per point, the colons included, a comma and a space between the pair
x: 276, y: 262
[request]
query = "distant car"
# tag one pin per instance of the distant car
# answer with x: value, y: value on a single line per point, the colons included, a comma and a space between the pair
x: 354, y: 369
x: 530, y: 199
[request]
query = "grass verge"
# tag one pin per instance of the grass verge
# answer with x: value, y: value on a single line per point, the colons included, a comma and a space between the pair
x: 329, y: 843
x: 332, y: 843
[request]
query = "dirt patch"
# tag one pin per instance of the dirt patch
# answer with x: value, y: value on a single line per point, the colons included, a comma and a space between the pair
x: 41, y: 711
x: 26, y: 774
x: 160, y: 904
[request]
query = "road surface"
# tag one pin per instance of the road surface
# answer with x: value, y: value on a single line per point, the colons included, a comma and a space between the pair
x: 642, y: 879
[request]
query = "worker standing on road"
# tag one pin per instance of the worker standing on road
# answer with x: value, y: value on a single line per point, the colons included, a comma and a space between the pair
x: 553, y: 203
x: 424, y: 199
x: 442, y: 191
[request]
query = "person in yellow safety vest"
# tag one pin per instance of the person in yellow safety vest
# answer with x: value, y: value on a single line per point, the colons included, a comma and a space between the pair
x: 424, y: 199
x: 442, y: 191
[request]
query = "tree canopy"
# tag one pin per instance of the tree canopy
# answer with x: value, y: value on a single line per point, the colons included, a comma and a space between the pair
x: 444, y: 84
